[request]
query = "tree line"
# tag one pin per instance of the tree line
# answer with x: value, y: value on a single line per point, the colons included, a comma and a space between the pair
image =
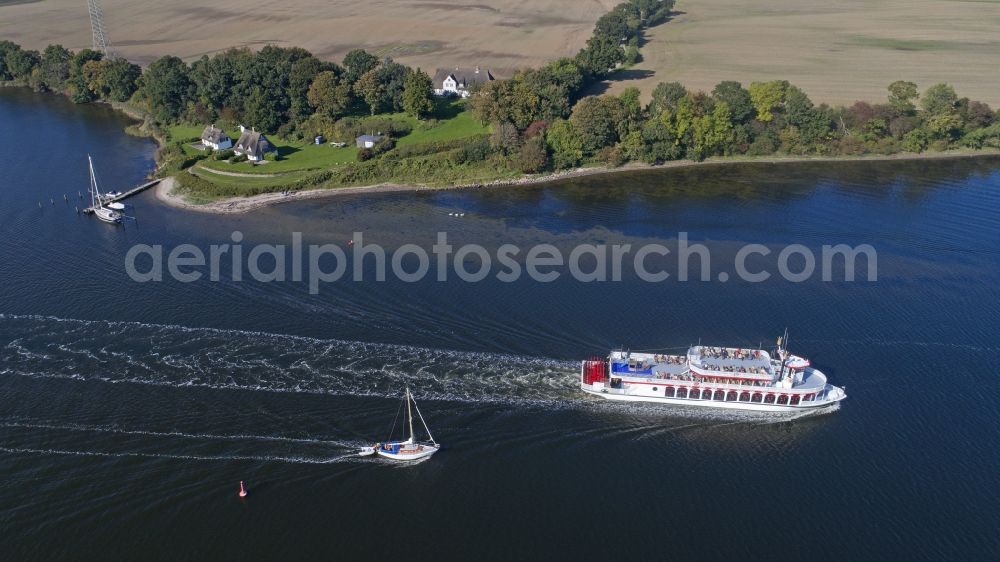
x: 540, y: 118
x: 276, y: 89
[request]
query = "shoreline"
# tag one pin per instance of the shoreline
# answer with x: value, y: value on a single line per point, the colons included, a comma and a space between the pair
x: 237, y: 205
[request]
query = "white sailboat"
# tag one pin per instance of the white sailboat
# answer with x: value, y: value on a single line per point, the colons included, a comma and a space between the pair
x: 411, y: 449
x: 101, y: 211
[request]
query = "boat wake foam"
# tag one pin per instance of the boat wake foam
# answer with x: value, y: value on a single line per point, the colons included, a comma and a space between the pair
x: 227, y: 458
x: 178, y: 356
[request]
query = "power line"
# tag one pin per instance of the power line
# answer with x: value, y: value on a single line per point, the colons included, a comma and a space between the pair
x: 99, y: 36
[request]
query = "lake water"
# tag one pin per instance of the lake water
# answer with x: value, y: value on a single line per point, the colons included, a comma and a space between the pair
x: 130, y: 411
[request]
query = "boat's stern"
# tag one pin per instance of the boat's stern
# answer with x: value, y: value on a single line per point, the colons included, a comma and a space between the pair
x: 594, y: 374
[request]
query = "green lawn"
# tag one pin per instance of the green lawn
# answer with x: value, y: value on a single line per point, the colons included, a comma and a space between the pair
x: 451, y: 120
x: 295, y: 156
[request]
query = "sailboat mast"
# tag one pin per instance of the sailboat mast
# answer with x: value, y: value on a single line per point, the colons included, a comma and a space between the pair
x: 93, y: 182
x: 409, y: 412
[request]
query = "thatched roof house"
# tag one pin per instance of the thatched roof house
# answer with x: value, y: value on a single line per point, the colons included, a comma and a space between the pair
x: 215, y: 138
x: 253, y: 144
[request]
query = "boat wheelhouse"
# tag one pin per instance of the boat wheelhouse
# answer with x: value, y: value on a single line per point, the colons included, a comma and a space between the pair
x: 716, y: 377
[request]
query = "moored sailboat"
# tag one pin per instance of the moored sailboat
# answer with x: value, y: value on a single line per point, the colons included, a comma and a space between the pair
x: 101, y: 210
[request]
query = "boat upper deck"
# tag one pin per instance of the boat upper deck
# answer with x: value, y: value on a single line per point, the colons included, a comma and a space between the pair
x: 731, y: 361
x: 647, y: 365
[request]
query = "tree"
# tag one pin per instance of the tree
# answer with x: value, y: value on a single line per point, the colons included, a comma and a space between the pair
x: 498, y: 101
x: 80, y: 92
x: 901, y: 96
x: 548, y: 87
x: 567, y: 150
x: 504, y: 138
x: 766, y: 96
x: 813, y: 123
x: 601, y: 54
x: 120, y: 79
x: 632, y: 110
x: 371, y: 90
x: 533, y: 156
x: 53, y: 70
x: 300, y: 78
x: 597, y: 121
x: 712, y: 133
x: 262, y: 110
x: 659, y: 142
x: 418, y: 92
x: 6, y: 47
x: 976, y: 114
x: 356, y: 63
x: 167, y: 88
x: 329, y: 95
x: 665, y: 97
x: 737, y: 98
x: 392, y: 76
x: 21, y: 62
x: 947, y: 125
x: 565, y: 73
x: 938, y: 99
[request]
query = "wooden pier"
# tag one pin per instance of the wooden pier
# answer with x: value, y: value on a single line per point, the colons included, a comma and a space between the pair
x: 127, y: 194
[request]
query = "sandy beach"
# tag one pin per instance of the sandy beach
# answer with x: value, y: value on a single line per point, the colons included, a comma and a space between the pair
x: 166, y: 193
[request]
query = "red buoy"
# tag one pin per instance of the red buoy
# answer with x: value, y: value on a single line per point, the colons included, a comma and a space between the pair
x: 243, y: 490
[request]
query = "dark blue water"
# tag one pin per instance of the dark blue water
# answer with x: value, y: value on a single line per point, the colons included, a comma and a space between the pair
x: 129, y: 411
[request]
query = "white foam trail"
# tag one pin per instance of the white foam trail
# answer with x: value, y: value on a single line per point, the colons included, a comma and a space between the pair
x: 178, y: 356
x: 266, y: 458
x: 203, y: 436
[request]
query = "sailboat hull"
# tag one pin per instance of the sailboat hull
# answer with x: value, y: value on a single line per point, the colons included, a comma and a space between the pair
x: 108, y: 215
x: 407, y: 451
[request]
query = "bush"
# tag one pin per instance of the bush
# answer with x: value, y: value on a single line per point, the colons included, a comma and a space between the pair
x: 271, y: 156
x: 611, y: 156
x: 223, y: 155
x: 350, y: 128
x: 365, y: 154
x: 475, y: 151
x: 432, y: 147
x: 533, y: 156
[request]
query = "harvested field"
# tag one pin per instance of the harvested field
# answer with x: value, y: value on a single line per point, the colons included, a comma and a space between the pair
x: 501, y: 35
x: 838, y: 52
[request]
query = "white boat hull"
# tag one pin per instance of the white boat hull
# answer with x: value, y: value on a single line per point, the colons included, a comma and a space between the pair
x: 698, y: 403
x: 107, y: 215
x: 410, y: 452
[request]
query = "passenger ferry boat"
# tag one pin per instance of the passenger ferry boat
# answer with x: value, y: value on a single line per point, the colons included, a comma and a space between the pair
x: 714, y: 377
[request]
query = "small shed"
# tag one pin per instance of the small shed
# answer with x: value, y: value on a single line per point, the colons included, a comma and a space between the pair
x: 368, y: 141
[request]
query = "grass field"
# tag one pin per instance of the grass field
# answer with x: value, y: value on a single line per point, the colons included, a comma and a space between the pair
x: 838, y: 52
x: 501, y: 35
x: 301, y: 158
